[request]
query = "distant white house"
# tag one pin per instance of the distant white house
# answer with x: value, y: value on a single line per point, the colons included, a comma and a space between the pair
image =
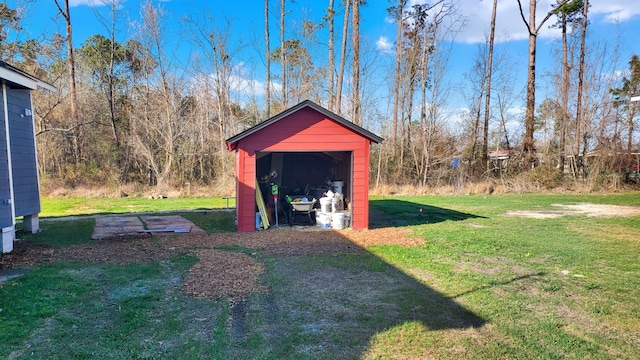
x: 19, y: 182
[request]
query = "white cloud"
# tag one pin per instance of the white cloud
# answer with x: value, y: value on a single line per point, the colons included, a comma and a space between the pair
x: 242, y: 83
x: 251, y: 87
x: 517, y: 110
x: 246, y: 86
x: 509, y: 24
x: 384, y: 45
x: 614, y: 11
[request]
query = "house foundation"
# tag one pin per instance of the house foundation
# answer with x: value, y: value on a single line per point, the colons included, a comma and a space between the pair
x: 8, y: 236
x: 31, y: 223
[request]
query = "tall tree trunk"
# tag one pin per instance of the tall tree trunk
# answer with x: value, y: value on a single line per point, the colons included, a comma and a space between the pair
x: 267, y: 58
x: 283, y: 58
x: 355, y: 83
x: 487, y: 102
x: 565, y: 94
x: 343, y: 55
x: 630, y: 115
x: 528, y: 144
x: 474, y: 137
x: 424, y: 82
x: 580, y: 83
x: 71, y: 68
x: 331, y: 66
x: 396, y: 85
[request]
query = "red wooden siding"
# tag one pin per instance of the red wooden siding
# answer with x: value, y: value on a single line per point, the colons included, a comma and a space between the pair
x: 305, y: 130
x: 245, y: 190
x: 360, y: 189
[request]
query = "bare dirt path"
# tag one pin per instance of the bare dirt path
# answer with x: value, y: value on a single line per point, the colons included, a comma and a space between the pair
x: 591, y: 210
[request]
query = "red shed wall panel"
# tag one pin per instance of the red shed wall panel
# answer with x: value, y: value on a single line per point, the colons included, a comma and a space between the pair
x: 304, y: 130
x: 360, y: 189
x: 245, y: 191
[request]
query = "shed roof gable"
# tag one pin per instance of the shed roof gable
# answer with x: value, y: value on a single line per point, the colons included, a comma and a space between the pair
x: 232, y: 142
x: 16, y: 76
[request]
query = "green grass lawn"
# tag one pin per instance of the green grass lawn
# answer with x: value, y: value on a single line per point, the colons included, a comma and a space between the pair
x: 94, y: 206
x: 482, y: 285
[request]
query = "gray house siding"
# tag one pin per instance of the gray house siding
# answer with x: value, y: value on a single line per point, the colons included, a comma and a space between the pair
x: 23, y: 153
x: 6, y: 218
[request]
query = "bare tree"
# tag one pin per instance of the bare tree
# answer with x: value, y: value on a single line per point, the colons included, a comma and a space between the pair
x: 343, y: 55
x: 331, y: 65
x: 477, y: 78
x: 157, y: 124
x: 283, y: 58
x: 585, y: 9
x: 116, y: 56
x: 65, y: 12
x: 355, y: 68
x: 487, y: 101
x: 267, y: 58
x: 397, y: 13
x: 565, y: 92
x: 528, y: 146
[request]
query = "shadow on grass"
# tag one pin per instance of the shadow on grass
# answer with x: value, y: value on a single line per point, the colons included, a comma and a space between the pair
x: 331, y: 299
x: 341, y: 302
x: 500, y: 283
x: 397, y: 213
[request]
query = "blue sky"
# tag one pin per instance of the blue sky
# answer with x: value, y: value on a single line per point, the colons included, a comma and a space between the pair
x: 610, y: 19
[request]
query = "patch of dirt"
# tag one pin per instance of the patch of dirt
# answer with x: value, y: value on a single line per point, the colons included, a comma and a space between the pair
x: 591, y: 210
x: 218, y: 273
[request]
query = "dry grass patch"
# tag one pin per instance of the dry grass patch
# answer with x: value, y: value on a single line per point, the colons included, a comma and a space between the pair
x: 590, y: 210
x: 490, y: 266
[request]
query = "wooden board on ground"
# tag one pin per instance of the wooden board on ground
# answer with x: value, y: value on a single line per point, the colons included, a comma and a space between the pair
x: 118, y: 226
x: 170, y: 223
x: 114, y: 226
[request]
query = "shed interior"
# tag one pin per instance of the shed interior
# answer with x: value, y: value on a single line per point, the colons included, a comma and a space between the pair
x: 303, y: 175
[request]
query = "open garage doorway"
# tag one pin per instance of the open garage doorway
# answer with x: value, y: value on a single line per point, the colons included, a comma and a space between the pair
x: 307, y: 176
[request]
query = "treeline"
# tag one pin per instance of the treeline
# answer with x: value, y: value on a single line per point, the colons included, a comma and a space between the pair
x: 134, y: 111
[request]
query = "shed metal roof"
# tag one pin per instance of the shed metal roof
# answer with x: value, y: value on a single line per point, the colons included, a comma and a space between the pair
x: 232, y: 142
x: 14, y: 75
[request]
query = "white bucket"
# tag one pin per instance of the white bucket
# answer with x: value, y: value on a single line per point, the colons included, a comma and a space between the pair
x: 337, y: 220
x: 337, y: 186
x: 335, y: 204
x: 323, y: 220
x: 325, y: 204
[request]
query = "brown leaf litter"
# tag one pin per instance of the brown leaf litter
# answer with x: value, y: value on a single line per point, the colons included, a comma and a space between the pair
x: 219, y: 273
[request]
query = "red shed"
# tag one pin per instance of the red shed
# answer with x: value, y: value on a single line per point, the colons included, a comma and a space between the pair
x: 303, y: 148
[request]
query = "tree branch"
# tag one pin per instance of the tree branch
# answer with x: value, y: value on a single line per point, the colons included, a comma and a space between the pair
x: 63, y: 129
x: 552, y: 12
x: 524, y: 19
